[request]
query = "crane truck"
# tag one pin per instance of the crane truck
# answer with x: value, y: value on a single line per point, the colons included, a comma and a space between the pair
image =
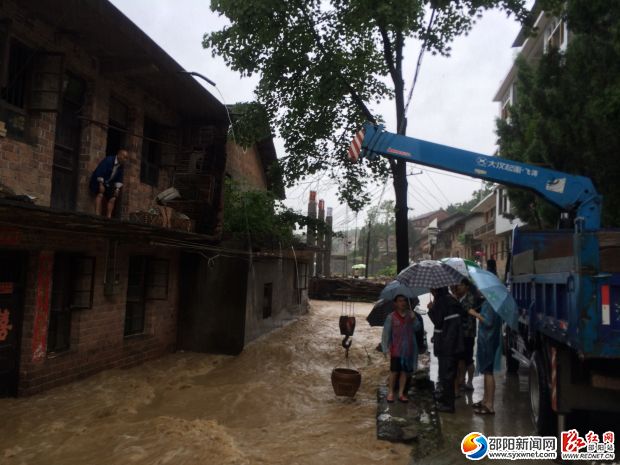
x: 566, y: 282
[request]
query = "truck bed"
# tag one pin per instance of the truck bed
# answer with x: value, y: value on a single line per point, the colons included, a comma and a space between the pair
x: 567, y: 286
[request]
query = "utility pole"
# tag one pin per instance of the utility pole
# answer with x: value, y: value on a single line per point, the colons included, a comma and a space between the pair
x: 355, y: 243
x: 367, y: 249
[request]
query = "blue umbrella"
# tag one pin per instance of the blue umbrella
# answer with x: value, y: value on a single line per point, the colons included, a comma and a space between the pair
x: 394, y: 288
x: 496, y: 294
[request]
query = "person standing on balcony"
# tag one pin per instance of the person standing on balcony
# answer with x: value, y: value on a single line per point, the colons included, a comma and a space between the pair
x: 107, y: 180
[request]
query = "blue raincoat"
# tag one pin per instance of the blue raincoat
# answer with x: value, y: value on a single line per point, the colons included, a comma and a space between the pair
x: 399, y: 339
x: 489, y: 353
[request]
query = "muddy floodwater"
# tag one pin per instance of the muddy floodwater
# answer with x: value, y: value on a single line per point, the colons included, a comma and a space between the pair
x: 273, y: 404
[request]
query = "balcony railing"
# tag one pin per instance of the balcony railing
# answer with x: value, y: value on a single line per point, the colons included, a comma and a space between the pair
x: 484, y: 229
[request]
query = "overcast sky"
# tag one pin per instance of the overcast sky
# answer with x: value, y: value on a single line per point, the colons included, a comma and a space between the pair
x: 452, y: 102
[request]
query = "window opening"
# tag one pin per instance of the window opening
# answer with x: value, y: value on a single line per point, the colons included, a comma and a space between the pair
x: 135, y: 306
x: 72, y: 289
x: 150, y: 161
x: 157, y: 279
x: 118, y: 121
x: 267, y: 299
x: 67, y: 145
x: 18, y: 71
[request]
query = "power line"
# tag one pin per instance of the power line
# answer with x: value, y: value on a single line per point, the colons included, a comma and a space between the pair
x: 421, y: 184
x: 421, y: 200
x: 463, y: 177
x: 440, y: 191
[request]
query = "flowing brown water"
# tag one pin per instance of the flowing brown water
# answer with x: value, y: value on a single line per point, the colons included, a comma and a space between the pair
x: 273, y: 404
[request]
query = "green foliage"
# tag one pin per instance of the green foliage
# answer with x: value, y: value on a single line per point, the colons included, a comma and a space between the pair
x: 321, y: 63
x: 256, y: 217
x: 250, y: 123
x: 567, y: 112
x: 389, y: 270
x: 465, y: 207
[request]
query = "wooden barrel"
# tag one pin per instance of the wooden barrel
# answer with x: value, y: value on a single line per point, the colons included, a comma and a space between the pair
x: 346, y: 381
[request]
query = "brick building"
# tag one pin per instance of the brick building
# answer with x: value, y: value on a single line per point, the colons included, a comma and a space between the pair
x: 81, y: 293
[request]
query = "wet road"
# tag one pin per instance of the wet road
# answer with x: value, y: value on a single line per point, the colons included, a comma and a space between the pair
x: 273, y: 404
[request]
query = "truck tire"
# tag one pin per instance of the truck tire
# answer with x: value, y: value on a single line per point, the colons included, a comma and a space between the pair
x: 543, y: 417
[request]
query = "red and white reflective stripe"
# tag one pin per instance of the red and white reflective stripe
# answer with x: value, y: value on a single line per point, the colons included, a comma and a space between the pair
x: 356, y: 146
x: 554, y: 379
x: 605, y: 307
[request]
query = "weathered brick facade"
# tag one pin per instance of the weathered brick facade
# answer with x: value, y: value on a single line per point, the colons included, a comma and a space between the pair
x: 245, y: 166
x: 98, y: 334
x: 115, y: 66
x: 97, y: 340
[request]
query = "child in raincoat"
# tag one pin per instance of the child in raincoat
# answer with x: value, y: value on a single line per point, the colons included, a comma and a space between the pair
x: 400, y: 342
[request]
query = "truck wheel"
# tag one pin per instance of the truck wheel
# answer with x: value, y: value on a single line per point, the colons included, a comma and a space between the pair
x: 543, y: 416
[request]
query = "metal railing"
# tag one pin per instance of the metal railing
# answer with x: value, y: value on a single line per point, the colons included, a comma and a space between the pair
x: 489, y: 227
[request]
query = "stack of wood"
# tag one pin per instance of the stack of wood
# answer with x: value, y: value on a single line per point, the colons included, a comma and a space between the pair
x: 164, y: 217
x: 360, y: 290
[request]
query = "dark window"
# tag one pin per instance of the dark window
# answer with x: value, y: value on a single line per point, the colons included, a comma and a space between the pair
x: 267, y: 299
x: 118, y: 121
x: 72, y: 289
x: 18, y: 71
x: 147, y: 280
x: 150, y: 160
x: 134, y: 311
x: 157, y: 279
x: 67, y: 145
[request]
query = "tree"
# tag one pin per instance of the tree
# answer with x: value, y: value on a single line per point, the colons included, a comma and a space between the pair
x: 465, y: 207
x: 258, y: 219
x: 323, y: 63
x: 567, y: 112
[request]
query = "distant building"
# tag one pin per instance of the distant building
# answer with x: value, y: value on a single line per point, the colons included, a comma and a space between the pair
x: 552, y: 32
x: 420, y: 248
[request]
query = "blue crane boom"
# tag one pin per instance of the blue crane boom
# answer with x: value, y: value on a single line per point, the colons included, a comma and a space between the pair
x: 571, y: 193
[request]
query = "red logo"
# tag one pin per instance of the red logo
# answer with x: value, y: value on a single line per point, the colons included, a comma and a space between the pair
x: 572, y: 442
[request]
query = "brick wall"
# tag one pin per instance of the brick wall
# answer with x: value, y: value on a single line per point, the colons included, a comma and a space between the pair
x: 27, y: 164
x: 245, y: 166
x: 97, y: 340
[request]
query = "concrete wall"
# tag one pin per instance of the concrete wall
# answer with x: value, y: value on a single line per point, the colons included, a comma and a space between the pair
x: 288, y: 302
x: 213, y: 304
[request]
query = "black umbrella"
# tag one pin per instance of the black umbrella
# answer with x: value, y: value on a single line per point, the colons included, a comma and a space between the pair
x: 379, y: 312
x: 383, y: 308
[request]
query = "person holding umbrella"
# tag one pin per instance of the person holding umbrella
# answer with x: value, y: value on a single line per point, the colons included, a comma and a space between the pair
x: 463, y: 293
x: 400, y: 342
x: 445, y: 313
x: 488, y: 354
